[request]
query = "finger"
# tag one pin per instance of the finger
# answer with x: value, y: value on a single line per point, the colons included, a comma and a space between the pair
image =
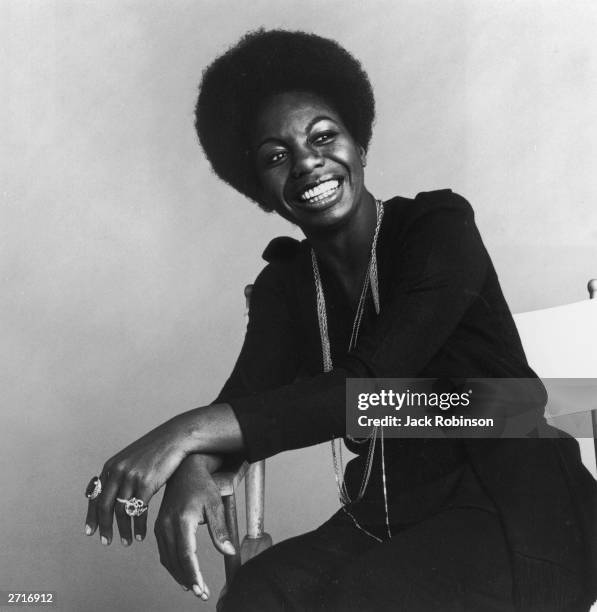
x: 92, y: 491
x: 186, y: 545
x: 140, y: 522
x: 218, y: 530
x: 123, y: 520
x: 91, y: 519
x: 140, y: 525
x: 167, y: 554
x: 105, y: 508
x: 167, y: 550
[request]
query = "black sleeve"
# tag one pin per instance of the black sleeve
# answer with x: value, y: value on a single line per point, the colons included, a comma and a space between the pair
x: 267, y: 358
x: 440, y: 268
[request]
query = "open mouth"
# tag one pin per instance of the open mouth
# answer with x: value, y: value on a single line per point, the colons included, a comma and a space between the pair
x: 320, y: 192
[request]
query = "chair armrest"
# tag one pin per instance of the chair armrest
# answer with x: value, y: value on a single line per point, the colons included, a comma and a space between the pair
x: 228, y: 479
x: 256, y: 539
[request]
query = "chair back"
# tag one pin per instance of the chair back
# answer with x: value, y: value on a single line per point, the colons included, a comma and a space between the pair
x: 561, y: 343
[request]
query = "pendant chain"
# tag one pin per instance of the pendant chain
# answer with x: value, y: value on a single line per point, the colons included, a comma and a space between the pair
x: 371, y: 280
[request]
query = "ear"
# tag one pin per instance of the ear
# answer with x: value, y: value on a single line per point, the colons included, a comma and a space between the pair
x: 363, y: 155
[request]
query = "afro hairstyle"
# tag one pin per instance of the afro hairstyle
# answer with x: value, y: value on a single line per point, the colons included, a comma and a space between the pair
x: 264, y: 63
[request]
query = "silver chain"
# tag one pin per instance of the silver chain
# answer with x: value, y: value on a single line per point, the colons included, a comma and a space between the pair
x: 371, y: 280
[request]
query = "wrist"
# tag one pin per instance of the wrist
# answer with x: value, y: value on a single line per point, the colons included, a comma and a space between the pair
x: 184, y: 431
x: 211, y: 429
x: 203, y: 464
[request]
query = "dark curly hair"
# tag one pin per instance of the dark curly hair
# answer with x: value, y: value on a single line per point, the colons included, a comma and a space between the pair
x: 264, y: 63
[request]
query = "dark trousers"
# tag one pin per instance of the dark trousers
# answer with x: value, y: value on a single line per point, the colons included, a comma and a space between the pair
x: 454, y: 561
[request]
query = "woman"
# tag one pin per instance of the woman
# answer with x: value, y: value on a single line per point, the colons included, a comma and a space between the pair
x: 398, y: 289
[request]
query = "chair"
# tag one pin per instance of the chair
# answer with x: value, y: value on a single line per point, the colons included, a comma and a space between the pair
x: 560, y: 343
x: 572, y: 328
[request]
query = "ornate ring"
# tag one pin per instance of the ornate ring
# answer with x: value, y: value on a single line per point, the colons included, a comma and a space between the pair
x: 94, y: 488
x: 133, y: 506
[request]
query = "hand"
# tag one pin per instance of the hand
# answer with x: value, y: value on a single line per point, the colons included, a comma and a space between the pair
x: 142, y: 468
x: 191, y: 499
x: 138, y: 471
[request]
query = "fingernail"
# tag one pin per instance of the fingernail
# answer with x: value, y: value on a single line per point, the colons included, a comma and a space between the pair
x: 104, y: 540
x: 125, y: 542
x: 184, y: 588
x: 139, y: 538
x: 88, y: 530
x: 228, y: 548
x: 207, y: 591
x: 204, y: 596
x: 197, y: 590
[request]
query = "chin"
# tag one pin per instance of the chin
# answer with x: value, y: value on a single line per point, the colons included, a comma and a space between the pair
x: 329, y: 217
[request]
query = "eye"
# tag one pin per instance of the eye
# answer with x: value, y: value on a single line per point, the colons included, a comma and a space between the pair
x: 274, y: 158
x: 324, y: 137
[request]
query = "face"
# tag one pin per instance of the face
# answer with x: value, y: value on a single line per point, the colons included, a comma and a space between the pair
x: 309, y: 167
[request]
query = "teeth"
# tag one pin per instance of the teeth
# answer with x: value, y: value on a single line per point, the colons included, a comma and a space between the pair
x: 321, y: 191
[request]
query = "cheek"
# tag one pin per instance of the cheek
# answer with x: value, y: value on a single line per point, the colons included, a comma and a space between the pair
x: 355, y: 168
x: 269, y: 177
x: 272, y: 188
x: 349, y: 157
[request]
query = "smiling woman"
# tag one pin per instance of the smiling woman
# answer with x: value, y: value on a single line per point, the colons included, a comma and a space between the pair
x: 235, y: 88
x: 309, y: 167
x: 402, y: 289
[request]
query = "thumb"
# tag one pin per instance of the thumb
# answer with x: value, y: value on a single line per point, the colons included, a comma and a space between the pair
x: 218, y: 530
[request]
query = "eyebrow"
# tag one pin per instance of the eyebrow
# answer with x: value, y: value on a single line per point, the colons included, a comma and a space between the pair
x: 309, y: 126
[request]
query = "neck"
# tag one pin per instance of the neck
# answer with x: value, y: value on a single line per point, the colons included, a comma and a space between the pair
x: 345, y: 251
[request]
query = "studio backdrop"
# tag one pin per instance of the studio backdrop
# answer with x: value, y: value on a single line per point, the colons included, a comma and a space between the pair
x: 123, y: 259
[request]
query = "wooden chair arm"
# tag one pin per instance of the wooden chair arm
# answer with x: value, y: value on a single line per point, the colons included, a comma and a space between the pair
x: 256, y: 539
x: 229, y: 479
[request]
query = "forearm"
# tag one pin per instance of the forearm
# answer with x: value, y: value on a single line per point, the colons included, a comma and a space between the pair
x: 209, y: 430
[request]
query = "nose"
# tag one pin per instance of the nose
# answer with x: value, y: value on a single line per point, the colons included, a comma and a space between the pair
x: 306, y: 159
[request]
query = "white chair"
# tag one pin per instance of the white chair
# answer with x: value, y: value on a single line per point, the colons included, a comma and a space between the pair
x: 561, y: 342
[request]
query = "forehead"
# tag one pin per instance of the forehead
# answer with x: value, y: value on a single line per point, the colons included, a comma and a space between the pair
x: 290, y: 111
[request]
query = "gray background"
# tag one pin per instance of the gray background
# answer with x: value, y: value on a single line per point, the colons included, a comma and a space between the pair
x: 123, y: 259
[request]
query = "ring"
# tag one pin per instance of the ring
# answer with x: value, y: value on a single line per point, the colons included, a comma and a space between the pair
x: 133, y: 506
x: 94, y: 488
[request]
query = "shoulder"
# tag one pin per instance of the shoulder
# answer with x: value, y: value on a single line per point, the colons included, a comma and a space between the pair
x: 427, y: 203
x: 429, y: 213
x: 282, y: 256
x: 281, y: 249
x: 443, y: 199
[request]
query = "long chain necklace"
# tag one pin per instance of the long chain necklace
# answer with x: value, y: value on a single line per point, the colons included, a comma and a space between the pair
x: 371, y: 280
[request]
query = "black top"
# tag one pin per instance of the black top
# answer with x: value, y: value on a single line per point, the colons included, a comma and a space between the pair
x: 442, y: 314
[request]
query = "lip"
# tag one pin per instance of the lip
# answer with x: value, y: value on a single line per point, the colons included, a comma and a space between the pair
x: 311, y: 184
x: 323, y: 204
